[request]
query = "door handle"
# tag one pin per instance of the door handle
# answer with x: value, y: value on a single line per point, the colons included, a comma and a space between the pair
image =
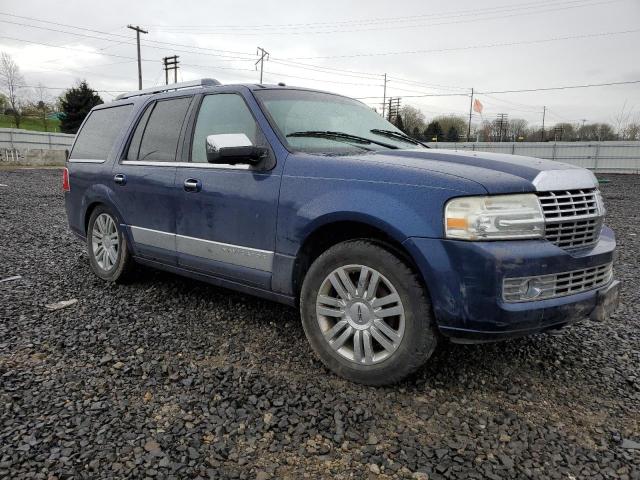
x: 192, y: 185
x: 120, y: 179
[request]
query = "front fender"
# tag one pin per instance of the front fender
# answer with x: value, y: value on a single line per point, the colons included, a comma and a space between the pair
x: 401, y: 211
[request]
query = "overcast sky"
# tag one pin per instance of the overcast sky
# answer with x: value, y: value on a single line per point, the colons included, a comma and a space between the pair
x: 488, y: 45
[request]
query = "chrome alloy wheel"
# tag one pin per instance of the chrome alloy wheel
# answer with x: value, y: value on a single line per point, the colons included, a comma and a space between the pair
x: 360, y: 314
x: 105, y: 241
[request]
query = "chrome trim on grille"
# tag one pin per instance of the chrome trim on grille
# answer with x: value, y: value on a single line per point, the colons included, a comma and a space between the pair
x: 567, y: 178
x: 573, y: 218
x: 557, y: 284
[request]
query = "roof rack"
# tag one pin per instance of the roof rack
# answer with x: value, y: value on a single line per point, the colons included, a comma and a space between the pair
x: 203, y: 82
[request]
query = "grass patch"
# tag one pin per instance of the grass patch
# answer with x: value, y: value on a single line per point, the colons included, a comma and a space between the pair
x: 30, y: 123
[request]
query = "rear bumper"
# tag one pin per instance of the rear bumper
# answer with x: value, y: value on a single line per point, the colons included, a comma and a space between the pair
x: 465, y: 285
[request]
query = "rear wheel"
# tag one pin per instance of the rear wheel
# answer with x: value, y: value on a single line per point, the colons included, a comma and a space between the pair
x: 366, y: 314
x: 107, y: 246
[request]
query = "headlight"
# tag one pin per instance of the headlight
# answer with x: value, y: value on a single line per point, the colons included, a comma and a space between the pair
x: 494, y: 218
x: 600, y: 201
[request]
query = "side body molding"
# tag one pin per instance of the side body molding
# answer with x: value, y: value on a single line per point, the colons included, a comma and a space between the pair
x: 217, y: 251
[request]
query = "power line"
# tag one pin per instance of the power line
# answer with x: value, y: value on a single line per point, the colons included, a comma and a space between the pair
x: 292, y: 64
x: 286, y: 75
x: 333, y: 70
x: 465, y: 12
x: 67, y: 88
x: 306, y: 31
x: 322, y: 69
x: 433, y: 86
x: 64, y: 47
x: 111, y: 54
x: 524, y: 90
x: 532, y: 107
x: 127, y: 39
x: 146, y: 44
x: 473, y: 47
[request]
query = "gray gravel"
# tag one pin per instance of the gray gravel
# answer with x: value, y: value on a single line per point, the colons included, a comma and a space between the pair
x: 171, y: 378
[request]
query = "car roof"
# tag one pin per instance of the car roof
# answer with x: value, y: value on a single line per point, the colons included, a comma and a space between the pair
x: 198, y: 86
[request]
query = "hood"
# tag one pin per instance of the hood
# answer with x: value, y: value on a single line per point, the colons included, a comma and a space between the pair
x: 496, y: 172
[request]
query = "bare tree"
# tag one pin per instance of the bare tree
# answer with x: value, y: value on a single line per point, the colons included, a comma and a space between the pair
x: 622, y: 119
x: 597, y: 131
x: 516, y: 129
x: 631, y: 130
x: 412, y: 118
x: 43, y: 104
x: 12, y: 83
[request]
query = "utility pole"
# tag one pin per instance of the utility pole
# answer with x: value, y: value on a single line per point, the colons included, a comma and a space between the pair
x: 582, y: 129
x: 558, y: 131
x: 470, y: 111
x: 394, y: 108
x: 544, y: 112
x: 502, y: 122
x: 138, y: 31
x: 264, y: 55
x: 384, y: 94
x: 170, y: 63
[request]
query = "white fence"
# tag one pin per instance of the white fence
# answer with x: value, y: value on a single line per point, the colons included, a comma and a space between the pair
x: 612, y: 157
x: 17, y: 139
x: 604, y: 157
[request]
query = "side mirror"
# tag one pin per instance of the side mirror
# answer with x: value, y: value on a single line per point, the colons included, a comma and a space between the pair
x: 232, y: 148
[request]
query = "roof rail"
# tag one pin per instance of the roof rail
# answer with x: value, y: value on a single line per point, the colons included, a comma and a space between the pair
x: 203, y: 82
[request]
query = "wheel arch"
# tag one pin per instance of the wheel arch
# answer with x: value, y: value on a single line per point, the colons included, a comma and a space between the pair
x: 95, y: 196
x: 337, y: 229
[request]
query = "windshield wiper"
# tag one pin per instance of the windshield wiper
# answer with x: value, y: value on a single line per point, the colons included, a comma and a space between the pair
x: 398, y: 135
x: 339, y: 136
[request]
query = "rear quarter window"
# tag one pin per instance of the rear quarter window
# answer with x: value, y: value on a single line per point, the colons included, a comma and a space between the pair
x: 99, y: 133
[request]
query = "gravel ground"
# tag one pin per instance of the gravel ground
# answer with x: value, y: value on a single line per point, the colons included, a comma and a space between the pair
x: 171, y: 378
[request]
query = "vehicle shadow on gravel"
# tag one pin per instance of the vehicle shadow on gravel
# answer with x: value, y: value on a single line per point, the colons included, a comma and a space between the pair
x: 279, y: 327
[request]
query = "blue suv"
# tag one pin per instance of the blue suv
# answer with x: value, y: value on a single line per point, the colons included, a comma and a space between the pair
x: 314, y: 200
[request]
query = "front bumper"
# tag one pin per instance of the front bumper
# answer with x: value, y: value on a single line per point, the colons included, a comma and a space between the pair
x: 465, y: 284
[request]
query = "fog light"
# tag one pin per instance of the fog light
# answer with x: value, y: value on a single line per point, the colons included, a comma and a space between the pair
x: 530, y: 289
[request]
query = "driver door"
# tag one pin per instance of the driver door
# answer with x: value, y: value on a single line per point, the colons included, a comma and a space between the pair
x: 226, y: 224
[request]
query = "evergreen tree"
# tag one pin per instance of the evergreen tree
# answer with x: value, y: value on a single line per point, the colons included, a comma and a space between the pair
x: 453, y: 135
x: 76, y: 104
x: 399, y: 123
x: 434, y: 130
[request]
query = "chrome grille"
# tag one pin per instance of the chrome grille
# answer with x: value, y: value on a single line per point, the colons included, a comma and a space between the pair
x: 526, y: 289
x: 573, y: 218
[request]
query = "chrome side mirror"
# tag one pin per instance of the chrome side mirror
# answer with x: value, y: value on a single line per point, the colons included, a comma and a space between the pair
x: 232, y: 148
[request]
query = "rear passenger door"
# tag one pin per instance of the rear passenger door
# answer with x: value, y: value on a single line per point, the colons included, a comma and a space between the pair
x: 226, y: 227
x: 144, y: 179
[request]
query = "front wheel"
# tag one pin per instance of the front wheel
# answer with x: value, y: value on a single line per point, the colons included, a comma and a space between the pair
x: 366, y: 313
x: 107, y: 247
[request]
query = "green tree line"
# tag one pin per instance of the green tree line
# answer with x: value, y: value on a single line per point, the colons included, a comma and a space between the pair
x: 23, y: 104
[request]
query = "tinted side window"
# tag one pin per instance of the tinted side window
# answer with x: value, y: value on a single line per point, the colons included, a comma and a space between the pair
x: 134, y: 146
x: 223, y: 113
x: 99, y: 133
x: 162, y: 130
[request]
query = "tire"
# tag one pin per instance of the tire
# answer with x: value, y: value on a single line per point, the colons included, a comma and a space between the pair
x: 117, y: 267
x: 408, y: 337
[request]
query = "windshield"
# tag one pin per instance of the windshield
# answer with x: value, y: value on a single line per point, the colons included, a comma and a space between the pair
x: 325, y: 123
